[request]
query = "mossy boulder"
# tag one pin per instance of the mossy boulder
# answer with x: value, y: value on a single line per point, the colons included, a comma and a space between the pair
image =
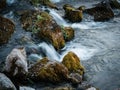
x: 44, y: 2
x: 72, y: 62
x: 72, y: 14
x: 2, y: 4
x: 6, y: 29
x: 68, y: 33
x: 54, y: 37
x: 43, y: 26
x: 101, y: 12
x: 48, y: 71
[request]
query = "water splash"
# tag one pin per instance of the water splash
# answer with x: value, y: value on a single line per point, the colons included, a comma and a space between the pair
x: 80, y: 25
x: 58, y: 18
x: 55, y: 1
x: 49, y: 51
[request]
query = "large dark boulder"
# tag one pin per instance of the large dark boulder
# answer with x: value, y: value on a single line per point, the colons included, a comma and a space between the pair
x: 6, y: 29
x: 48, y: 71
x: 101, y: 12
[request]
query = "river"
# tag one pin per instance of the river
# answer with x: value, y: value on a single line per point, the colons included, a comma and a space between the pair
x: 97, y: 44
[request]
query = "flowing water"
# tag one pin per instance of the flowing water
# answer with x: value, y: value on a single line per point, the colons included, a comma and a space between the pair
x: 97, y: 44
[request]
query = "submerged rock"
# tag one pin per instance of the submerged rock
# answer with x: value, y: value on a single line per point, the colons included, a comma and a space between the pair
x: 6, y: 29
x: 101, y: 12
x: 5, y: 83
x: 16, y: 63
x: 48, y: 71
x: 72, y: 62
x: 72, y: 14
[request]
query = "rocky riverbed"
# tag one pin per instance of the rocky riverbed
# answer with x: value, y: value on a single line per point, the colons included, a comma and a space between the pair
x: 80, y: 41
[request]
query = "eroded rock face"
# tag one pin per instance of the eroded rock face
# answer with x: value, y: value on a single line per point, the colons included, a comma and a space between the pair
x: 48, y: 71
x: 72, y: 62
x: 101, y: 12
x: 43, y: 25
x: 5, y: 83
x: 16, y: 63
x: 6, y: 29
x: 72, y: 14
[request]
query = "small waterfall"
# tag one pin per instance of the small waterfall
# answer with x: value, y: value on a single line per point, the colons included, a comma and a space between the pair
x: 58, y: 18
x: 49, y: 51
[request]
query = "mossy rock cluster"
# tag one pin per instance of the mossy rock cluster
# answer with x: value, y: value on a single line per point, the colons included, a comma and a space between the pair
x: 43, y: 26
x: 6, y: 29
x: 72, y: 14
x: 72, y: 62
x: 2, y: 4
x: 48, y: 71
x: 32, y: 19
x: 44, y: 2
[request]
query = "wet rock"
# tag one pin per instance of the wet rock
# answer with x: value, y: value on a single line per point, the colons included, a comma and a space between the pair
x: 77, y: 77
x: 6, y: 29
x: 115, y: 4
x: 43, y: 25
x: 72, y: 62
x: 68, y: 33
x: 54, y: 37
x: 72, y: 14
x: 5, y: 83
x: 2, y: 4
x: 16, y: 63
x: 44, y: 2
x: 101, y: 12
x: 48, y: 71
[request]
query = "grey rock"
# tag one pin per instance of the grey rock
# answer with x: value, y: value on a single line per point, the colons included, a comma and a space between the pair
x: 5, y: 83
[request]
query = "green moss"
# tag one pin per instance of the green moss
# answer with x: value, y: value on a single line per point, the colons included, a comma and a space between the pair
x: 72, y: 62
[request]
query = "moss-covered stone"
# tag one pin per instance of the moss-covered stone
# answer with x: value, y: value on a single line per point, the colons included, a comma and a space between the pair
x: 44, y: 2
x: 68, y: 33
x: 72, y: 62
x: 49, y: 71
x: 6, y: 29
x: 72, y: 14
